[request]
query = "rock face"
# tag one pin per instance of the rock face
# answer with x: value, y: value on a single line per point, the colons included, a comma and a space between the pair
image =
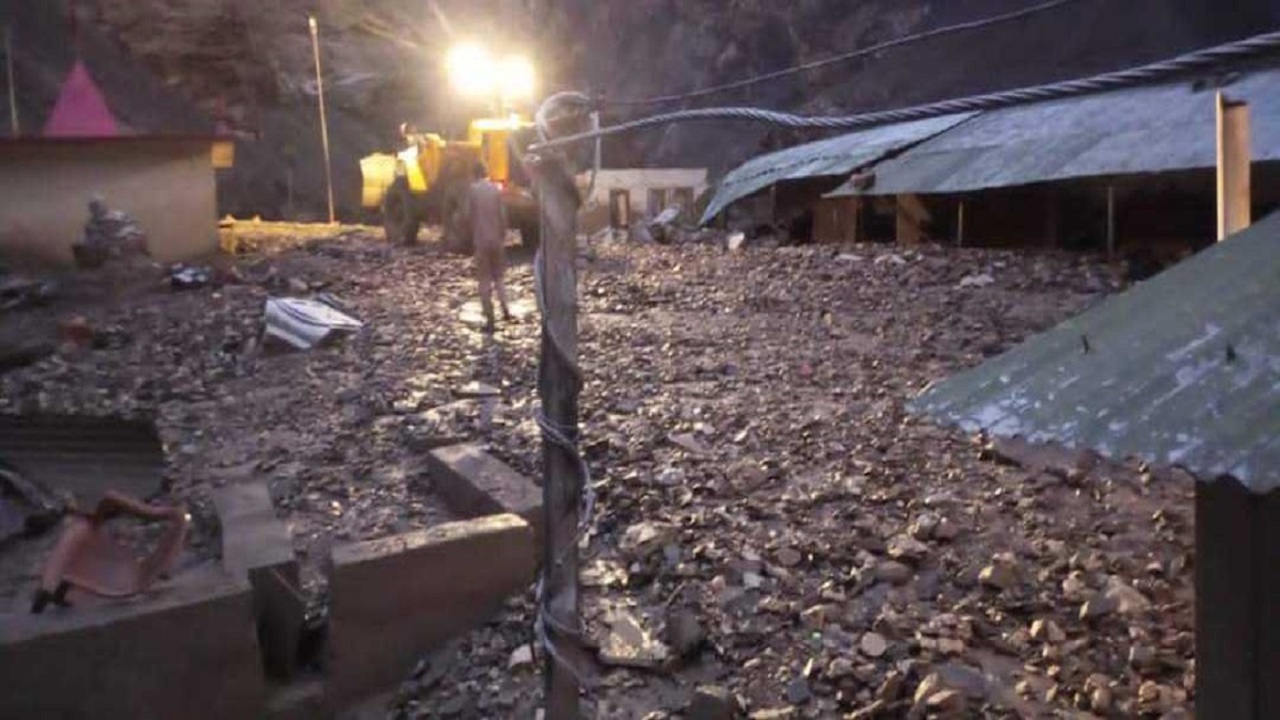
x: 251, y: 62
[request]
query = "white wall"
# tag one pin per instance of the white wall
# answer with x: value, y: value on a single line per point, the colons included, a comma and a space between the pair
x: 640, y: 181
x: 167, y: 186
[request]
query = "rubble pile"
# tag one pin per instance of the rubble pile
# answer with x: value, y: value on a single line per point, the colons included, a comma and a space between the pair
x: 775, y: 536
x: 109, y: 235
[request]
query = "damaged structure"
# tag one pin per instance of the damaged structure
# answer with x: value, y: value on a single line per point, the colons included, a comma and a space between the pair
x: 1104, y: 171
x: 133, y: 144
x: 1183, y: 370
x: 622, y: 196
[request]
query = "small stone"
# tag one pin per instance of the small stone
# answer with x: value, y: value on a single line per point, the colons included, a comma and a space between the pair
x: 905, y: 547
x: 521, y: 657
x: 782, y: 713
x: 789, y: 558
x: 1100, y: 700
x: 752, y: 581
x: 645, y: 539
x: 1128, y: 601
x: 924, y: 527
x: 1044, y: 630
x: 1142, y: 657
x: 1074, y: 587
x: 1149, y: 693
x: 891, y: 689
x: 892, y: 572
x: 839, y: 669
x: 712, y: 702
x: 1098, y: 606
x: 477, y: 390
x: 949, y: 703
x: 946, y: 530
x: 685, y: 633
x: 999, y: 576
x: 873, y: 645
x: 817, y: 617
x: 928, y: 686
x: 798, y: 691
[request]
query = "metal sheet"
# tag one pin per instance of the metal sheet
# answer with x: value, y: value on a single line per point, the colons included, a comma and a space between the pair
x: 85, y: 456
x: 1182, y: 370
x: 825, y: 158
x: 1153, y: 129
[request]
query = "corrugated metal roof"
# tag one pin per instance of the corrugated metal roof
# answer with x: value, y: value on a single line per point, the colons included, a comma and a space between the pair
x: 1159, y: 128
x: 824, y: 158
x: 85, y: 456
x: 1183, y: 369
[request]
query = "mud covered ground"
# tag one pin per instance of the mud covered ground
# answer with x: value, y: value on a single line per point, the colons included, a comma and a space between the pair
x: 771, y: 520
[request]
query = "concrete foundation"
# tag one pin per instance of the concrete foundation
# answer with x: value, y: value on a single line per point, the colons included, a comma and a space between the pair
x: 256, y: 545
x: 186, y: 650
x: 395, y: 600
x: 474, y: 484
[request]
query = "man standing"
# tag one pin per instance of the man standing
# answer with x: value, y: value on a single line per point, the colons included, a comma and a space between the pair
x: 487, y: 221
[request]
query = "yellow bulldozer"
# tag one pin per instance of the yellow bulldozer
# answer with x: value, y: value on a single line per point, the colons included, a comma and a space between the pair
x: 427, y: 181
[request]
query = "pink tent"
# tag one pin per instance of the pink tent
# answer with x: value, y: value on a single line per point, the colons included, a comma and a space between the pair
x: 81, y: 110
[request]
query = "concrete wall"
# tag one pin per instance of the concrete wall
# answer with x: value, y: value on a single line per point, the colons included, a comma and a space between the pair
x: 638, y: 182
x: 166, y: 185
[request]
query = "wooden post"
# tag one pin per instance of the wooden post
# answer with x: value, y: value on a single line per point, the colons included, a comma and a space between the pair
x: 558, y: 385
x: 1234, y: 160
x: 324, y: 122
x: 1237, y: 602
x: 912, y: 216
x: 960, y: 225
x: 1111, y: 222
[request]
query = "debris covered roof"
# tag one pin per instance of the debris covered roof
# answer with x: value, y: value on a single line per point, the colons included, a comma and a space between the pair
x: 825, y: 158
x: 1158, y: 128
x: 1182, y: 370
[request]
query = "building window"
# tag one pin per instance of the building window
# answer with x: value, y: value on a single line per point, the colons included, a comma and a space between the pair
x: 657, y: 200
x: 684, y: 198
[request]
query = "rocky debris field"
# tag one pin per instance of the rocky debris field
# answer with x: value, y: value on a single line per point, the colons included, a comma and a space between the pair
x: 775, y: 535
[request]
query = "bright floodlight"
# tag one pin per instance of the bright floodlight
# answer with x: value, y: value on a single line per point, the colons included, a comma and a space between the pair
x: 471, y: 70
x: 518, y: 78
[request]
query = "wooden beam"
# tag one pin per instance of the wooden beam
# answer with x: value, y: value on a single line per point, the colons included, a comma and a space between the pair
x: 1234, y: 161
x: 912, y: 216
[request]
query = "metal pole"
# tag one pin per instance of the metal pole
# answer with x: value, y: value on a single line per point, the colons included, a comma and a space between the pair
x: 960, y: 225
x: 15, y: 128
x: 324, y: 123
x: 558, y: 385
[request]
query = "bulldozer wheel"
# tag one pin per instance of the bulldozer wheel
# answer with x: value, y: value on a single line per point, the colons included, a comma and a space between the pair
x: 399, y: 215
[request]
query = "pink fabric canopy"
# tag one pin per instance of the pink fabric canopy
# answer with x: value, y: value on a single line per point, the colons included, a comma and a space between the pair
x: 81, y: 110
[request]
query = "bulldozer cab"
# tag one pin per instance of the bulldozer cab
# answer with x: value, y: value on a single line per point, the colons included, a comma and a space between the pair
x: 427, y: 180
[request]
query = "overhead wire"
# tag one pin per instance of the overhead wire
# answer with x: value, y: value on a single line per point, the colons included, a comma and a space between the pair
x: 1208, y: 58
x: 842, y: 58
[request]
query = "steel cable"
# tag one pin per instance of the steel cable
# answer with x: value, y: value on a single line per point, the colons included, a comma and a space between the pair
x: 1253, y: 47
x: 844, y: 57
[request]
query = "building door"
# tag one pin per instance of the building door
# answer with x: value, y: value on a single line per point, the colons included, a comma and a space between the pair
x: 619, y: 209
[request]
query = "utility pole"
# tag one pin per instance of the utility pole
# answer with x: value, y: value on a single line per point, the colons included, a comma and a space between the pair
x: 14, y: 128
x: 559, y: 381
x: 324, y: 123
